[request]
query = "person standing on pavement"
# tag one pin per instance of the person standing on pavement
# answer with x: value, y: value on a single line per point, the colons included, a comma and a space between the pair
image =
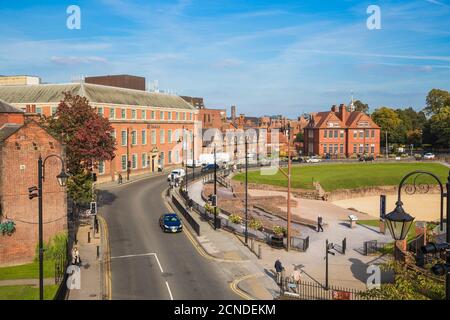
x: 319, y: 224
x: 76, y: 256
x: 120, y: 179
x: 279, y: 269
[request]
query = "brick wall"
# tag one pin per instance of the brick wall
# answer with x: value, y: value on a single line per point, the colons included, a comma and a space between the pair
x: 18, y: 172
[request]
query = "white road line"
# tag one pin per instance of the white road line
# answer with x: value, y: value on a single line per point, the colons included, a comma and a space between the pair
x: 170, y: 292
x: 157, y: 260
x: 135, y: 255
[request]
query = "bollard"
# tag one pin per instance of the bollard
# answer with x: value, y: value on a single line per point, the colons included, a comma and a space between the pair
x: 98, y: 252
x: 259, y: 252
x: 89, y: 237
x: 252, y: 245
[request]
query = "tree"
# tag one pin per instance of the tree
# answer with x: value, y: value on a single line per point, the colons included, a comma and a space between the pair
x: 360, y: 106
x: 88, y: 140
x: 437, y: 100
x: 389, y: 121
x: 299, y: 137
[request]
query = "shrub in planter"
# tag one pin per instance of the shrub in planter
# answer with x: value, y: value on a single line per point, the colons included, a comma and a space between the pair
x: 234, y: 218
x: 255, y: 224
x: 8, y: 227
x: 279, y: 231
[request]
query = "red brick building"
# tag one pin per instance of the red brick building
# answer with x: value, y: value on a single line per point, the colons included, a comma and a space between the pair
x: 22, y: 140
x: 147, y: 126
x: 341, y: 133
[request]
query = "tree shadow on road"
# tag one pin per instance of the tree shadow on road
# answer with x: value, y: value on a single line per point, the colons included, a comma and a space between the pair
x: 105, y: 198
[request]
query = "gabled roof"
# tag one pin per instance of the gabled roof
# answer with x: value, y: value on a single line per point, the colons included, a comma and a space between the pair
x: 7, y: 108
x: 9, y: 129
x: 45, y: 93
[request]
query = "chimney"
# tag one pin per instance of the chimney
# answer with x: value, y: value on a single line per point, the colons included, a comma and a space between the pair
x: 233, y: 112
x: 333, y: 108
x: 343, y: 114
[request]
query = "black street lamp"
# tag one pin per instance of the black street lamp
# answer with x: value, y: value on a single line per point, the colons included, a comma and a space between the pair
x: 62, y: 180
x: 399, y: 222
x: 246, y: 190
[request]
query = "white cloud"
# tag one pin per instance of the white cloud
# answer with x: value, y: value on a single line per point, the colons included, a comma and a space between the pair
x: 77, y: 60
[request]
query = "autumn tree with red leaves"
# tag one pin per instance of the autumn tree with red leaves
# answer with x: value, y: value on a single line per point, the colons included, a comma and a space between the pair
x: 88, y: 140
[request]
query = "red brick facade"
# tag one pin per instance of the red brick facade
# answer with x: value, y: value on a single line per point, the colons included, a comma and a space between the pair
x: 19, y: 154
x: 341, y: 133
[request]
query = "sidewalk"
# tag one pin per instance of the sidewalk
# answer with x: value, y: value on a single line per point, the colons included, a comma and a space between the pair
x: 133, y: 178
x: 91, y: 281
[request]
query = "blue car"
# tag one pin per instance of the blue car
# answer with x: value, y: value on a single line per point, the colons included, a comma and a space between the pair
x: 170, y: 222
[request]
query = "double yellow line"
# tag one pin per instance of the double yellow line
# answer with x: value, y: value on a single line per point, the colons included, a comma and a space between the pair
x: 106, y: 259
x: 234, y: 287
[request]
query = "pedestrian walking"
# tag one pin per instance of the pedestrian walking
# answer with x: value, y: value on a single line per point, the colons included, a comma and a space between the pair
x: 120, y: 180
x: 279, y: 269
x: 76, y: 256
x: 319, y: 224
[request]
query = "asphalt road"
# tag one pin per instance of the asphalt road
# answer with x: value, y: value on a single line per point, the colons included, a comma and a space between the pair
x: 147, y: 263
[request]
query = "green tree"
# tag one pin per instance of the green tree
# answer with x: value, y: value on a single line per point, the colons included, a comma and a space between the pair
x: 360, y: 106
x: 437, y: 99
x: 389, y: 121
x: 299, y: 137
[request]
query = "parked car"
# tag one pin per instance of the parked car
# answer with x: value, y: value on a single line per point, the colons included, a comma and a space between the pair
x: 429, y: 156
x: 314, y: 159
x: 176, y: 173
x: 209, y: 167
x: 170, y: 222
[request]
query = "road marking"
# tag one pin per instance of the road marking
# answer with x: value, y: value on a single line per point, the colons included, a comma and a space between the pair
x: 170, y: 292
x: 234, y: 287
x: 141, y: 255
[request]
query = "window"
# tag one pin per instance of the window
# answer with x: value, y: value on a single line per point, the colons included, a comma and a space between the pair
x: 170, y: 157
x: 169, y: 114
x: 336, y: 133
x: 55, y: 108
x: 373, y: 133
x: 39, y: 110
x: 143, y: 116
x: 153, y: 137
x: 144, y: 160
x: 124, y: 113
x: 361, y: 151
x: 177, y: 156
x: 341, y: 149
x: 342, y: 134
x: 325, y: 134
x: 366, y: 148
x: 335, y: 148
x: 113, y: 133
x: 161, y: 115
x: 144, y: 136
x: 124, y: 162
x: 112, y: 113
x: 124, y: 137
x: 177, y: 135
x: 101, y: 167
x: 169, y: 136
x: 153, y: 115
x: 325, y: 148
x: 134, y: 161
x: 183, y: 116
x: 355, y: 148
x: 133, y: 114
x: 177, y: 116
x: 330, y: 134
x: 361, y: 134
x: 355, y: 134
x: 161, y: 136
x: 99, y: 111
x: 331, y: 148
x: 133, y: 137
x: 367, y: 133
x: 372, y: 148
x: 190, y: 115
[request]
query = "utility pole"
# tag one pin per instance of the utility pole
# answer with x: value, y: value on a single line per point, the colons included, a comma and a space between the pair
x: 215, y: 188
x: 193, y: 155
x: 326, y: 264
x: 246, y: 191
x: 128, y: 154
x: 387, y: 148
x: 289, y: 193
x: 40, y: 231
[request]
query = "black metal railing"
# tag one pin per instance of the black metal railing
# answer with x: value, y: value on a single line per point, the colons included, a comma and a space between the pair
x: 374, y: 247
x: 304, y: 290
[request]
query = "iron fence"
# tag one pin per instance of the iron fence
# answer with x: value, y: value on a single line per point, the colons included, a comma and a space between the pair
x: 374, y: 247
x: 304, y: 290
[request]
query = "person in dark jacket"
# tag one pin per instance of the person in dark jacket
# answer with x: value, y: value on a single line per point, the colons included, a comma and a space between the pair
x: 279, y: 269
x: 319, y: 224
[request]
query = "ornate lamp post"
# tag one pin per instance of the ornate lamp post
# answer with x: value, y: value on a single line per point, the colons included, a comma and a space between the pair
x: 62, y: 180
x: 399, y: 222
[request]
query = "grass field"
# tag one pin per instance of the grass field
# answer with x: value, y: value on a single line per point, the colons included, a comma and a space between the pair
x: 348, y: 176
x: 26, y: 292
x: 27, y: 271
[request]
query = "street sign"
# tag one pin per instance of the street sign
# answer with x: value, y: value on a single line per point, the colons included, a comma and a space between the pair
x: 94, y: 208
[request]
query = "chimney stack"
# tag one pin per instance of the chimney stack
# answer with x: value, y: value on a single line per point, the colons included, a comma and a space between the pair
x: 333, y: 108
x: 343, y: 114
x: 233, y: 112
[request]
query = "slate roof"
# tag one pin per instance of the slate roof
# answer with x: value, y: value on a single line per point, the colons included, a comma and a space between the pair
x: 9, y: 129
x: 7, y: 108
x: 47, y: 93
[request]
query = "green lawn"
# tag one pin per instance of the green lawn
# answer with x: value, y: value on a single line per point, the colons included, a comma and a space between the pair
x: 348, y: 176
x: 26, y: 292
x: 28, y: 271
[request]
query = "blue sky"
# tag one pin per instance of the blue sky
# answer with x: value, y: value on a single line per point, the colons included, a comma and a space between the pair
x: 266, y: 57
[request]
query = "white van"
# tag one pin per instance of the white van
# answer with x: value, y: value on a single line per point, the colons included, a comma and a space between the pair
x: 176, y: 173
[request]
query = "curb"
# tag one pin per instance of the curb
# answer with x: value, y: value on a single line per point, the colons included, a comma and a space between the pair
x: 239, y: 291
